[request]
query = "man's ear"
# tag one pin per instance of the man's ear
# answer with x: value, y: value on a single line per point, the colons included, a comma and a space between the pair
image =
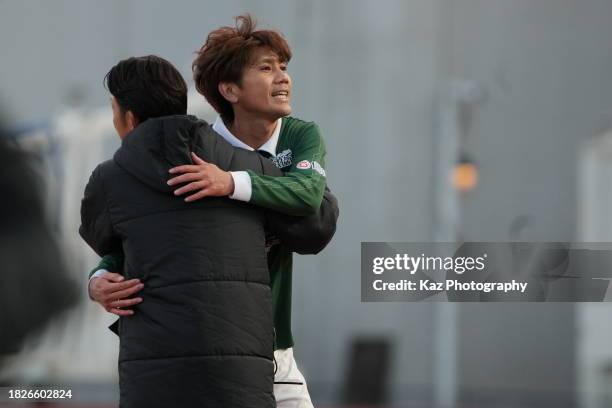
x: 229, y: 91
x: 132, y: 120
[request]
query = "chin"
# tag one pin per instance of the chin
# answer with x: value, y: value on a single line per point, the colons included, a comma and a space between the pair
x: 279, y: 112
x: 286, y: 111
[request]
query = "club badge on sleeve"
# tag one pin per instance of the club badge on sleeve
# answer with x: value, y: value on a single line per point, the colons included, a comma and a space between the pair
x: 303, y: 165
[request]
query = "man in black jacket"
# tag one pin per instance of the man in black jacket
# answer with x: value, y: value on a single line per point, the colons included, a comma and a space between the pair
x: 203, y: 334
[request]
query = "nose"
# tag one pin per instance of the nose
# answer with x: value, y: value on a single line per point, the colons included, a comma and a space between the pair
x: 282, y: 77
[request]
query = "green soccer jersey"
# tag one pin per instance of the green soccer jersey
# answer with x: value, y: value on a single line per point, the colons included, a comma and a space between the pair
x: 300, y: 154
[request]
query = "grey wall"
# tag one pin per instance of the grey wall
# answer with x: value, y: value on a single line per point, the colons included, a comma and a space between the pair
x: 370, y: 73
x: 546, y: 66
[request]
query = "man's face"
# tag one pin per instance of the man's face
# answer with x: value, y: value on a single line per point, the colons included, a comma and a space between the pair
x: 265, y: 87
x: 120, y: 119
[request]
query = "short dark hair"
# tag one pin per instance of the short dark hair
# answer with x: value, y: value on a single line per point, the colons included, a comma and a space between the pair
x: 148, y: 86
x: 226, y: 53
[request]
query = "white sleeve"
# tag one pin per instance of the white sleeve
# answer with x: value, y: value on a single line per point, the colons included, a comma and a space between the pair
x: 99, y: 272
x: 242, y: 186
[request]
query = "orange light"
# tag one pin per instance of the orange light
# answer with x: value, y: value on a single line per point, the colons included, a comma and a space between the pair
x: 465, y: 176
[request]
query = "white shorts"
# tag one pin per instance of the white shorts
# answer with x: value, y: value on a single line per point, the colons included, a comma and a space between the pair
x: 290, y: 388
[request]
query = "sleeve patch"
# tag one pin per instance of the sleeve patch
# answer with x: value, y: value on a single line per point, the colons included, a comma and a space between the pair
x: 315, y: 165
x: 303, y: 165
x: 318, y: 168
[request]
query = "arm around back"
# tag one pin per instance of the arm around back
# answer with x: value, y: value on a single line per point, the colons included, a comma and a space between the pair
x: 309, y: 234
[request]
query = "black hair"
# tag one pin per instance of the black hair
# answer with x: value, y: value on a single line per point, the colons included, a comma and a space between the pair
x: 148, y: 86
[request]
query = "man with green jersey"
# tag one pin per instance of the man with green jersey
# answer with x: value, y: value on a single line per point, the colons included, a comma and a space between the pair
x: 242, y: 73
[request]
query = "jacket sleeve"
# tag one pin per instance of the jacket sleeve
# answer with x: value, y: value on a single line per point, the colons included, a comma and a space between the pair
x: 96, y: 227
x: 308, y: 234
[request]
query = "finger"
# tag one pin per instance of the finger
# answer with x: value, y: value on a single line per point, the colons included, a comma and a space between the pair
x: 200, y: 194
x: 104, y: 290
x: 120, y: 312
x: 183, y: 178
x: 122, y: 294
x: 125, y: 303
x: 111, y: 287
x: 185, y: 168
x: 197, y: 159
x: 113, y: 277
x: 196, y: 185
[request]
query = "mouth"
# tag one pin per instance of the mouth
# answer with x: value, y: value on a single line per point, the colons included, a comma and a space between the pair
x: 281, y: 95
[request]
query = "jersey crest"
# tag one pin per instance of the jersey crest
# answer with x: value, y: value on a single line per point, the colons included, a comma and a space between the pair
x: 283, y: 159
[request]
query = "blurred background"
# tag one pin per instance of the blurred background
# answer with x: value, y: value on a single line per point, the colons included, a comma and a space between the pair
x: 476, y: 120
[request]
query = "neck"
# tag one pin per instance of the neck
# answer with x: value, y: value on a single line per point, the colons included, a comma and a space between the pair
x: 252, y: 131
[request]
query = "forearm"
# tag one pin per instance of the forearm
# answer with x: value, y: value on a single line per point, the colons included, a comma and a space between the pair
x: 292, y: 194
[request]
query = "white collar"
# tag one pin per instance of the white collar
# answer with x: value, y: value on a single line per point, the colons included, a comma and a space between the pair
x: 269, y: 146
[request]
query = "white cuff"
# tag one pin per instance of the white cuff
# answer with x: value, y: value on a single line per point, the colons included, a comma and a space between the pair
x: 242, y: 186
x: 99, y: 272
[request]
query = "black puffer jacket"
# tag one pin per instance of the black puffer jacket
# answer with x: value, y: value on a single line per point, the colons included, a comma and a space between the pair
x: 203, y: 335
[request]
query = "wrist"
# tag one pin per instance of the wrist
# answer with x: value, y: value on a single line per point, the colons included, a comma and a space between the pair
x: 89, y: 291
x: 231, y: 186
